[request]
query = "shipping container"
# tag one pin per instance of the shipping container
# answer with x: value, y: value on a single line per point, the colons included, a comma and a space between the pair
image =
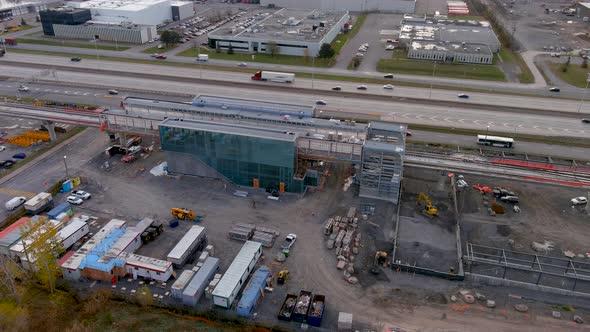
x: 192, y: 241
x: 180, y: 284
x: 302, y: 306
x: 252, y: 292
x: 39, y: 203
x: 64, y: 207
x: 236, y: 275
x: 196, y: 287
x: 286, y: 311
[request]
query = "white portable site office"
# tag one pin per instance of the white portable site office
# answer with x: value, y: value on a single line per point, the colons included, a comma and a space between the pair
x: 236, y: 275
x: 187, y: 245
x: 180, y: 284
x: 196, y: 287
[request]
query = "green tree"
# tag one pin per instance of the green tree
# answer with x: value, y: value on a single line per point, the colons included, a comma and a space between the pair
x: 144, y: 296
x: 170, y: 38
x: 585, y: 63
x: 565, y: 66
x: 326, y: 51
x: 272, y: 48
x: 230, y: 50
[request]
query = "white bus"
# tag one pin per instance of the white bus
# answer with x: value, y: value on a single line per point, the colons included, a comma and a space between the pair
x: 502, y: 142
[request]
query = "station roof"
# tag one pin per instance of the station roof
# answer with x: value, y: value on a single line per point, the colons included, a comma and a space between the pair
x: 304, y: 25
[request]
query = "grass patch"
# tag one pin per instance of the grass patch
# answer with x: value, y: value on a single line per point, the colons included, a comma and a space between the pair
x: 575, y: 74
x: 401, y: 65
x: 342, y: 38
x: 278, y: 59
x: 509, y: 56
x: 155, y: 49
x: 555, y: 140
x: 70, y: 44
x: 17, y: 29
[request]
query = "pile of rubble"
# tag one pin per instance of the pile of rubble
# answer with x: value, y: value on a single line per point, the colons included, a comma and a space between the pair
x: 245, y: 232
x: 342, y: 235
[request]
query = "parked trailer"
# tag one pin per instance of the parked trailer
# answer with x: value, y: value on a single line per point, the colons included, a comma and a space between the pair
x: 64, y: 207
x: 190, y: 242
x: 316, y: 310
x: 252, y: 292
x: 273, y: 76
x: 39, y: 203
x: 196, y: 287
x: 302, y: 306
x: 73, y: 232
x: 236, y: 275
x: 286, y: 312
x: 180, y: 284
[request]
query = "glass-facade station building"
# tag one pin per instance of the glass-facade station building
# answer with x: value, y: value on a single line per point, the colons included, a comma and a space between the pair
x: 272, y: 145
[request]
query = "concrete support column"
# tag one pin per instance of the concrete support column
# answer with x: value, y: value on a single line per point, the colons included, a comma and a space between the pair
x: 50, y: 128
x: 123, y: 139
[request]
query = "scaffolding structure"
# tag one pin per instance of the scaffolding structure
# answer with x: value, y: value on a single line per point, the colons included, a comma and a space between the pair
x: 382, y: 161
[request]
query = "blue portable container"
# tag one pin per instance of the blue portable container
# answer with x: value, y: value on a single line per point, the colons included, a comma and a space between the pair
x: 61, y: 208
x: 252, y: 292
x: 67, y: 186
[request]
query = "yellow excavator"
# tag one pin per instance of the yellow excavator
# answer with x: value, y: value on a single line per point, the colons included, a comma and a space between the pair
x: 283, y: 276
x: 181, y: 213
x: 429, y: 209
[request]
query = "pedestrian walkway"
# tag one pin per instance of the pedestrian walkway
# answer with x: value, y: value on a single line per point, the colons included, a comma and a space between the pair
x: 16, y: 192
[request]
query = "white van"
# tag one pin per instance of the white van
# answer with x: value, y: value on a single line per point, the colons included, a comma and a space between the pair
x: 15, y: 202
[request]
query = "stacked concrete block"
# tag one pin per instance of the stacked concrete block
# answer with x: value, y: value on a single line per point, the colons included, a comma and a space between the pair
x: 339, y: 238
x: 351, y: 212
x: 241, y: 232
x: 266, y: 239
x: 210, y: 250
x: 203, y: 257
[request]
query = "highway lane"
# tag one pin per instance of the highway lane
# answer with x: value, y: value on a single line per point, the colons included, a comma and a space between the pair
x: 410, y: 113
x: 538, y: 88
x: 550, y: 104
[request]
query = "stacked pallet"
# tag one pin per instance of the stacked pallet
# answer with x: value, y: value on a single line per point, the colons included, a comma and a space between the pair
x: 342, y: 236
x: 245, y: 232
x: 241, y: 232
x: 457, y: 8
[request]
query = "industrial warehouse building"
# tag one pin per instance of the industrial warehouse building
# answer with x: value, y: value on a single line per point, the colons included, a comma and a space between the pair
x: 392, y: 6
x: 62, y: 16
x: 294, y: 31
x: 11, y: 8
x: 583, y: 10
x: 463, y: 41
x: 127, y: 33
x: 271, y: 145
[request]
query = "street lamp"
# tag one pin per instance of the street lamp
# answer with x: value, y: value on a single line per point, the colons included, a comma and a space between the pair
x: 66, y: 166
x: 584, y: 95
x: 432, y: 82
x: 487, y: 131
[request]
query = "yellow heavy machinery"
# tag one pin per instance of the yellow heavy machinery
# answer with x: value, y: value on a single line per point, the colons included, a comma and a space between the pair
x: 429, y: 209
x: 379, y: 260
x: 283, y: 276
x: 181, y: 213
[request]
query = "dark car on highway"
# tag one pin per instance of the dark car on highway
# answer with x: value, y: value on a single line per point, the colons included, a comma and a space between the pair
x: 555, y: 89
x: 462, y: 95
x: 585, y: 120
x: 388, y: 76
x: 76, y: 59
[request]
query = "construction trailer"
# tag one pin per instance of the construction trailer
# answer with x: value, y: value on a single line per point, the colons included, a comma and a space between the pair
x: 236, y: 275
x: 196, y: 287
x: 73, y: 232
x: 192, y: 241
x: 180, y: 284
x: 253, y: 292
x: 39, y: 203
x: 150, y: 268
x: 11, y: 235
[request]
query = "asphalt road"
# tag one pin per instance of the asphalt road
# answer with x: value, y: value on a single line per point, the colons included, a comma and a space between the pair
x: 537, y: 89
x: 446, y: 95
x: 410, y: 113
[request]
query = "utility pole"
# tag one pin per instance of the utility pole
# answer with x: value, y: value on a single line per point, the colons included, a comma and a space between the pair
x: 584, y: 94
x: 312, y: 70
x: 432, y: 81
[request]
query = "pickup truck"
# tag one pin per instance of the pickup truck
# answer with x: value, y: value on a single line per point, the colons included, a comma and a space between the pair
x: 289, y: 241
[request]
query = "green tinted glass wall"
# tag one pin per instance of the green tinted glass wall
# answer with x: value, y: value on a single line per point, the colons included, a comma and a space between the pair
x: 239, y: 158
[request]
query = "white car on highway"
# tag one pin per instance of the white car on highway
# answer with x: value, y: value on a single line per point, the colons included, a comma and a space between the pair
x: 23, y: 88
x: 388, y: 87
x: 579, y: 200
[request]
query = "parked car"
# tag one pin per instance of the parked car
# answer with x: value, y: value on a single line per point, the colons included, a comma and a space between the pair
x: 389, y: 48
x: 463, y: 95
x: 408, y: 133
x: 76, y: 59
x: 6, y: 164
x: 289, y: 241
x: 360, y: 55
x: 361, y: 87
x: 19, y: 155
x: 2, y: 148
x: 337, y: 88
x: 15, y: 202
x: 388, y: 87
x: 81, y: 194
x: 74, y: 200
x: 320, y: 102
x: 509, y: 199
x: 113, y: 92
x: 579, y: 200
x: 554, y: 89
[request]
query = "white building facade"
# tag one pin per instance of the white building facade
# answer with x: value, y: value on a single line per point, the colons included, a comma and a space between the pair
x: 392, y: 6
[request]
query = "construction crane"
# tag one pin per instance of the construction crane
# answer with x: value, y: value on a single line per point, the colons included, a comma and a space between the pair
x: 182, y: 213
x: 429, y: 209
x: 283, y: 276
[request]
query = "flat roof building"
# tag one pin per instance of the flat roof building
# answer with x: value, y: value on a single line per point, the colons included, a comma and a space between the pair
x: 451, y: 52
x: 294, y: 31
x: 145, y: 12
x: 428, y: 29
x: 391, y: 6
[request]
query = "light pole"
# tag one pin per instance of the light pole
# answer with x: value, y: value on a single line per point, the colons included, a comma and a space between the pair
x: 487, y: 131
x: 66, y: 166
x: 584, y: 95
x: 432, y: 81
x: 312, y: 70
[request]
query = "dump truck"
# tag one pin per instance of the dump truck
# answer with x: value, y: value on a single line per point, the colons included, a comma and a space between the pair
x: 287, y: 308
x: 273, y: 76
x: 182, y: 213
x: 316, y: 310
x: 302, y: 306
